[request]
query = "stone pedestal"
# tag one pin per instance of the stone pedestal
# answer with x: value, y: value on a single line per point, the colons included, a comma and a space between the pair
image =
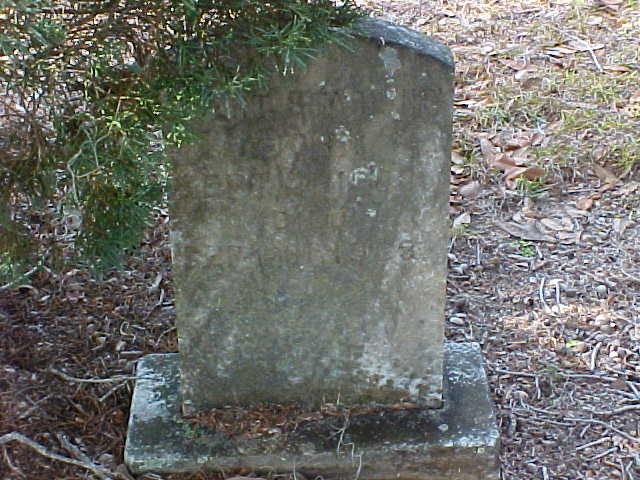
x: 457, y: 442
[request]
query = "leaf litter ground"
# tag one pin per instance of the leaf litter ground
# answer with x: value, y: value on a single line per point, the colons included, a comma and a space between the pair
x: 543, y: 261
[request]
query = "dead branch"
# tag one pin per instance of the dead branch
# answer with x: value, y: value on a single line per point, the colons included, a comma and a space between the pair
x: 558, y: 374
x: 79, y: 454
x: 95, y: 469
x: 64, y: 376
x: 593, y: 444
x: 19, y: 279
x: 581, y: 420
x: 608, y: 413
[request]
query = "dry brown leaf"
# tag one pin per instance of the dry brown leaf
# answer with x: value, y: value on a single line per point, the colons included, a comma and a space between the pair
x: 457, y: 158
x: 471, y: 103
x: 575, y: 212
x: 582, y: 46
x: 529, y: 208
x: 571, y: 47
x: 526, y: 74
x: 629, y: 188
x: 519, y: 155
x: 611, y: 5
x: 462, y: 219
x: 489, y: 152
x: 518, y: 145
x: 534, y: 173
x: 504, y: 162
x: 593, y: 21
x: 599, y: 152
x: 528, y: 231
x: 552, y: 224
x: 617, y: 68
x: 555, y: 126
x: 604, y: 174
x: 584, y: 203
x: 511, y: 175
x: 537, y: 138
x: 559, y: 51
x: 620, y: 225
x: 530, y: 173
x: 515, y: 65
x: 569, y: 237
x: 605, y: 187
x: 470, y: 190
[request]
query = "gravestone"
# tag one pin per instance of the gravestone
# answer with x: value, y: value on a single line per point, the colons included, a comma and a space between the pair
x: 309, y: 234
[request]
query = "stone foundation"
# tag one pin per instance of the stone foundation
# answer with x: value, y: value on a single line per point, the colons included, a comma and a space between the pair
x: 459, y: 441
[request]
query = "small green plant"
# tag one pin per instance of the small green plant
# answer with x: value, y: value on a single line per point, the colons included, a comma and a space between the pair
x: 458, y: 231
x: 524, y: 248
x: 628, y: 156
x: 530, y: 188
x: 573, y: 343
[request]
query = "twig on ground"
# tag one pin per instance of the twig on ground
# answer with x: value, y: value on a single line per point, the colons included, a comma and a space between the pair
x: 545, y: 306
x: 162, y: 334
x: 359, y: 470
x: 545, y: 473
x: 111, y: 391
x: 20, y: 278
x: 117, y: 378
x: 95, y: 469
x: 634, y: 388
x: 592, y: 53
x: 593, y: 444
x: 617, y: 411
x: 587, y: 420
x: 586, y: 46
x: 528, y: 417
x: 511, y: 372
x: 594, y: 356
x: 341, y: 431
x: 606, y: 425
x: 632, y: 277
x: 558, y: 374
x: 79, y: 454
x: 603, y: 454
x: 155, y: 305
x: 7, y: 459
x: 538, y: 390
x: 33, y: 407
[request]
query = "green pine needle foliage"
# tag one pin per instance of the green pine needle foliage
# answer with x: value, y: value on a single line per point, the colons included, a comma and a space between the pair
x: 93, y: 91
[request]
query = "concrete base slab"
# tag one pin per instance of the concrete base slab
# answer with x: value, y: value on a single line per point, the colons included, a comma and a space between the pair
x: 459, y: 441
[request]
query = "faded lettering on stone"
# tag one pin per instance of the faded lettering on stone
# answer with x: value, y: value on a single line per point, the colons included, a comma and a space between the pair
x: 364, y: 174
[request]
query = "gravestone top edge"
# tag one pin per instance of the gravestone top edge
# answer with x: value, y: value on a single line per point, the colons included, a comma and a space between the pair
x: 389, y: 33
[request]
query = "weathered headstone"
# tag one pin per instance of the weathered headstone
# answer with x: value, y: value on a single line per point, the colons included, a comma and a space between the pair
x: 309, y: 234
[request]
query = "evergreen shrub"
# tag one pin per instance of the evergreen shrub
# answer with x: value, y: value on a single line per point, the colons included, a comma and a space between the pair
x: 94, y: 91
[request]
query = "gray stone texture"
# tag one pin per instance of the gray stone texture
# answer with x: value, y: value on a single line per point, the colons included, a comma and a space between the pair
x: 309, y: 232
x: 456, y: 442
